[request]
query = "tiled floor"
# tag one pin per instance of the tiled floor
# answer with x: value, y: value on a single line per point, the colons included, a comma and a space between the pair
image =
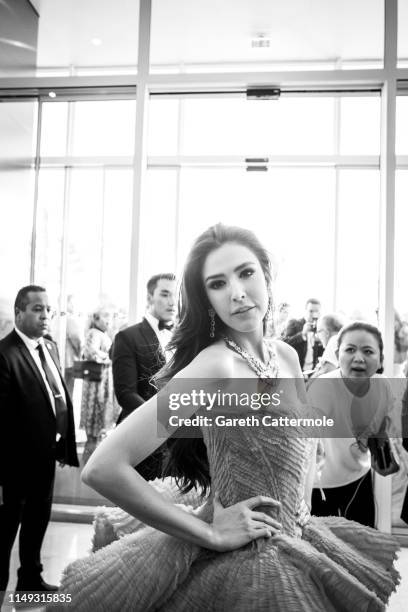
x: 65, y: 542
x: 399, y: 600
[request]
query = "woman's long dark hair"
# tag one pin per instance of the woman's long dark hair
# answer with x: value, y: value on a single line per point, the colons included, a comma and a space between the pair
x: 187, y: 457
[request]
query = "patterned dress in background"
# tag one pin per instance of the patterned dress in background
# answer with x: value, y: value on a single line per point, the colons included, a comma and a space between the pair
x: 98, y: 408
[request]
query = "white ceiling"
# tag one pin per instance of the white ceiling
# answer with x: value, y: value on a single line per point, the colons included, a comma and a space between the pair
x: 208, y: 31
x: 67, y: 27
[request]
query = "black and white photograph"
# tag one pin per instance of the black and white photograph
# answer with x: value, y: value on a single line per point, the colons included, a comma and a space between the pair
x: 203, y: 305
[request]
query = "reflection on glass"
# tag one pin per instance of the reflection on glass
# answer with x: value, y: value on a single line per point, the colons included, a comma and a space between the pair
x: 401, y: 134
x: 401, y: 243
x: 98, y: 234
x: 291, y: 210
x: 236, y: 126
x: 116, y: 236
x: 192, y: 35
x: 360, y: 125
x: 18, y: 129
x: 90, y: 270
x: 49, y: 228
x: 85, y: 236
x: 289, y: 126
x: 54, y: 129
x: 158, y: 222
x: 162, y: 136
x: 104, y: 128
x: 358, y: 243
x: 16, y: 209
x: 402, y: 33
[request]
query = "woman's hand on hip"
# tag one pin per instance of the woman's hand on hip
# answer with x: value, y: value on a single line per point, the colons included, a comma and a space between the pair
x: 239, y: 524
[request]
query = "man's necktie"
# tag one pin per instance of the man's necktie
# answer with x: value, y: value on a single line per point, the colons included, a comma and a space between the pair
x: 165, y: 325
x: 60, y: 405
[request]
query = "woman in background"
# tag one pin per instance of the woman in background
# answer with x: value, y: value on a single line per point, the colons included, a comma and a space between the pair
x: 359, y: 400
x: 97, y: 396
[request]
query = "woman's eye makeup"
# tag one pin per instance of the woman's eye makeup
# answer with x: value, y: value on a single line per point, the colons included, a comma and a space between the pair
x: 247, y: 272
x: 216, y: 284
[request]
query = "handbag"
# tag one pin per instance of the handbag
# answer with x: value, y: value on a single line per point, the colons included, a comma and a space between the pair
x: 382, y: 456
x: 88, y: 370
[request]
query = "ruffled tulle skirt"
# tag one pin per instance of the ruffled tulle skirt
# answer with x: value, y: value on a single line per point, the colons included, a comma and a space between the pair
x: 336, y: 564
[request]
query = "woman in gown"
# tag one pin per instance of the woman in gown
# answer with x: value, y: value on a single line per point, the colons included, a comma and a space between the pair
x: 252, y: 545
x: 97, y: 404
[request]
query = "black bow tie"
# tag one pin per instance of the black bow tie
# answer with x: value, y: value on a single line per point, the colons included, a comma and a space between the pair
x: 165, y: 325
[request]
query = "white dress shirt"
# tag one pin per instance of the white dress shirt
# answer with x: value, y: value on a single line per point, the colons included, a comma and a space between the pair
x: 31, y: 345
x: 308, y: 363
x: 344, y: 462
x: 163, y: 335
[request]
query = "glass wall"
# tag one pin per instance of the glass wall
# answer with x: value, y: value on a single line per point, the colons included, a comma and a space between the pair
x: 403, y: 33
x: 75, y: 213
x: 317, y: 183
x: 18, y: 129
x: 83, y: 220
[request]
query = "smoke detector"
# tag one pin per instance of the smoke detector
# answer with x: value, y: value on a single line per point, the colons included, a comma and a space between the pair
x: 260, y: 41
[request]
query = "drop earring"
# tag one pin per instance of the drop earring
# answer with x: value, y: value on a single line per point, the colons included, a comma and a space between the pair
x: 211, y: 314
x: 269, y: 311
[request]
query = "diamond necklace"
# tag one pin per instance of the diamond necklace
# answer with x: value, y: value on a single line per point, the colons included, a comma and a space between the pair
x: 266, y: 371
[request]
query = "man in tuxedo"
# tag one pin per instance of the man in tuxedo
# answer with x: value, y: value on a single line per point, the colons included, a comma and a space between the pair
x: 139, y: 352
x: 301, y: 334
x: 37, y: 428
x: 404, y: 434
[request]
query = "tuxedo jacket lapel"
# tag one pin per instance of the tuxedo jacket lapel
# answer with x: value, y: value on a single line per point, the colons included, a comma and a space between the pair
x: 149, y: 334
x: 152, y: 340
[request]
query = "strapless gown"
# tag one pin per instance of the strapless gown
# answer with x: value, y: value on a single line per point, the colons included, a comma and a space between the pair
x: 314, y: 564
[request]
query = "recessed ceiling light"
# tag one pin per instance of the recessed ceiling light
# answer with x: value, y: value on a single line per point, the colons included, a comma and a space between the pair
x: 52, y: 94
x: 96, y: 41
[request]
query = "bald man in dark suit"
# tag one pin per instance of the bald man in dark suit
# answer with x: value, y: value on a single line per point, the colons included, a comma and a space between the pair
x: 37, y: 429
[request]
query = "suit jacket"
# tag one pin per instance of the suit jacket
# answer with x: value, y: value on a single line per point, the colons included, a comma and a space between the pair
x: 136, y: 357
x: 404, y: 434
x: 293, y: 336
x: 28, y: 424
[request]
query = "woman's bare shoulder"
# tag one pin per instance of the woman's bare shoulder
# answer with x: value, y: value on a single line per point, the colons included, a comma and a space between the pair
x: 288, y: 360
x: 215, y: 361
x: 283, y: 349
